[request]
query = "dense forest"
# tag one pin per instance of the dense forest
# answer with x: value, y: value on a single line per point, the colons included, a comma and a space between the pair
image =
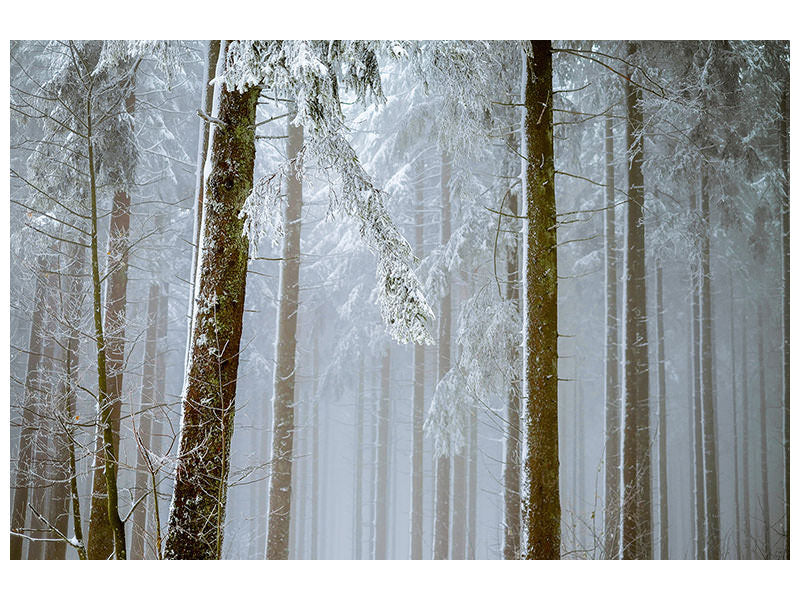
x: 399, y: 299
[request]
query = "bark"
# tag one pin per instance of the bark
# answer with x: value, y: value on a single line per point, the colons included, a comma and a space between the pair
x: 382, y: 449
x: 663, y: 456
x: 763, y: 423
x: 28, y: 412
x: 139, y: 533
x: 612, y: 416
x: 709, y: 417
x: 699, y: 459
x: 746, y: 417
x: 280, y: 483
x: 690, y: 429
x: 473, y: 484
x: 418, y: 408
x: 197, y: 512
x: 441, y: 526
x: 636, y: 519
x: 459, y: 545
x: 542, y: 505
x: 315, y: 457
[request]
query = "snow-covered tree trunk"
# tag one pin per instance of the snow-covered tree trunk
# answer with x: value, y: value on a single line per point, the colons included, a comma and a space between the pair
x: 197, y: 512
x: 636, y: 521
x: 27, y: 437
x: 709, y: 413
x: 541, y: 500
x: 612, y: 413
x: 139, y: 533
x: 762, y: 393
x: 418, y: 408
x: 280, y: 483
x: 382, y: 450
x: 699, y: 459
x: 441, y: 524
x: 663, y: 496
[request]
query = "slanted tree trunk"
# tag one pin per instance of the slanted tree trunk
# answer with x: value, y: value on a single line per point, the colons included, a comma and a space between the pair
x: 762, y: 393
x: 197, y: 511
x: 612, y: 416
x: 699, y: 460
x: 139, y: 534
x: 709, y: 417
x: 542, y: 504
x: 27, y: 436
x: 746, y: 416
x: 280, y: 481
x: 382, y: 449
x: 663, y: 496
x: 441, y: 525
x: 418, y: 408
x: 636, y: 520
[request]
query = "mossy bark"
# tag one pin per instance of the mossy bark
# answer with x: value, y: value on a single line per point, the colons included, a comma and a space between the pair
x: 280, y: 482
x: 541, y: 504
x: 197, y: 512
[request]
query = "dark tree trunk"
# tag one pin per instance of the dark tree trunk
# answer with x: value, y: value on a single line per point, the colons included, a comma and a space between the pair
x: 746, y: 418
x: 280, y: 481
x: 611, y: 508
x: 636, y: 525
x: 198, y: 502
x: 542, y: 505
x: 762, y: 393
x: 709, y: 417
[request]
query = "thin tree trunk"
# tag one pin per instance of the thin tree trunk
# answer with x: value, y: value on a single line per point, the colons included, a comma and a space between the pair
x: 746, y: 416
x: 763, y: 423
x: 699, y: 459
x: 636, y: 523
x: 139, y: 534
x: 280, y: 481
x: 784, y: 141
x: 418, y: 414
x: 542, y: 505
x: 612, y: 416
x: 441, y: 525
x: 315, y: 457
x: 197, y: 512
x: 473, y: 484
x: 709, y: 417
x: 693, y: 552
x: 736, y: 444
x: 382, y: 478
x: 28, y: 412
x: 359, y: 466
x: 663, y: 503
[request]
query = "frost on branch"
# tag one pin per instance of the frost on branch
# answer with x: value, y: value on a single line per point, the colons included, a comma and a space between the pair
x: 311, y: 74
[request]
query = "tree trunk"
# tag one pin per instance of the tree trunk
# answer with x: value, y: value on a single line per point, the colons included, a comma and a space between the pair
x: 784, y: 141
x: 542, y: 505
x: 693, y: 551
x: 636, y: 522
x: 139, y: 533
x: 280, y: 481
x: 746, y: 416
x: 382, y: 478
x: 611, y: 508
x: 763, y: 423
x: 29, y: 413
x: 315, y: 532
x: 736, y: 444
x: 663, y: 502
x: 699, y: 460
x: 197, y: 512
x: 473, y: 484
x: 709, y: 417
x: 418, y: 417
x: 441, y: 525
x: 359, y: 466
